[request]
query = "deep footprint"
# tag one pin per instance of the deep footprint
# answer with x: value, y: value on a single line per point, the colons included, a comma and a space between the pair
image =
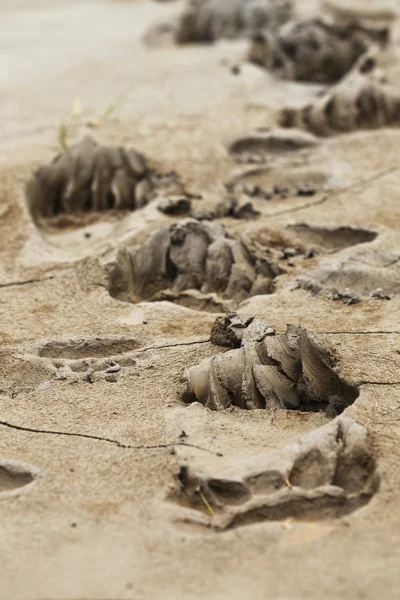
x: 314, y: 50
x: 192, y: 255
x: 287, y: 371
x: 205, y: 21
x: 328, y: 473
x: 89, y: 177
x: 332, y: 238
x: 196, y: 264
x: 360, y: 101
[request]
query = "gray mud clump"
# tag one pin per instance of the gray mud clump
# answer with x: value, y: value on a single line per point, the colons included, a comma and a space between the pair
x: 328, y: 473
x: 232, y: 331
x: 288, y: 371
x: 313, y: 50
x: 90, y: 177
x: 192, y: 255
x: 209, y: 20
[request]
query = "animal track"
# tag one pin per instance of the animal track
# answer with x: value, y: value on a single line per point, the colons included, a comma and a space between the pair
x: 367, y: 275
x: 89, y: 177
x: 328, y: 473
x: 273, y: 141
x: 358, y: 102
x: 288, y: 371
x: 313, y: 50
x: 15, y: 475
x: 88, y: 359
x: 196, y: 264
x: 209, y: 20
x: 192, y: 255
x: 84, y: 347
x: 206, y: 21
x: 332, y: 238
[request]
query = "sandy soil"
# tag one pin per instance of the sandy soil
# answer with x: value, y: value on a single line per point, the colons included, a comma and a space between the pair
x: 94, y: 523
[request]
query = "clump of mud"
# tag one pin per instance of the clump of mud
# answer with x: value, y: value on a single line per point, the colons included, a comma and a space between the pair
x: 313, y: 50
x: 328, y: 473
x: 90, y: 177
x: 288, y: 371
x: 192, y: 255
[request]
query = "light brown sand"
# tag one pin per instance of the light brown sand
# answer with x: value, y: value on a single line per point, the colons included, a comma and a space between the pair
x: 94, y: 524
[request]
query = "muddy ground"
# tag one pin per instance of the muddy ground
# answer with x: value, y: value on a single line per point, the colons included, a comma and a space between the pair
x: 88, y: 513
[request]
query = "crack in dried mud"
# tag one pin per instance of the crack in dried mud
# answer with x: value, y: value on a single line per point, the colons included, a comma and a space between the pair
x: 105, y: 439
x: 27, y: 282
x: 335, y: 193
x: 355, y: 333
x: 378, y: 383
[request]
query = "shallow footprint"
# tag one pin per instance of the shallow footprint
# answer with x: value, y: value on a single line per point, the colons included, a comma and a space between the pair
x: 328, y: 473
x: 273, y: 141
x: 332, y: 238
x: 369, y: 275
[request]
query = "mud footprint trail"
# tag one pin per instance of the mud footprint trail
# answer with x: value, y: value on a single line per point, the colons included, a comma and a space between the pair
x: 122, y: 488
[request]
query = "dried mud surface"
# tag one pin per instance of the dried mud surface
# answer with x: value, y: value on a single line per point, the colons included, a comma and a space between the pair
x: 263, y: 202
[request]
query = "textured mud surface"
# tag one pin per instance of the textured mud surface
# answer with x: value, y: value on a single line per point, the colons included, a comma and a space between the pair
x: 166, y: 212
x: 193, y: 255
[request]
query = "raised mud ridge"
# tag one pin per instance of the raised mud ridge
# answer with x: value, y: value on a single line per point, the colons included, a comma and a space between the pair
x: 328, y: 473
x: 288, y: 371
x: 90, y: 177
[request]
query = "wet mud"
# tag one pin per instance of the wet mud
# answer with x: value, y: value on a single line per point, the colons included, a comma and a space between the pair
x: 287, y: 371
